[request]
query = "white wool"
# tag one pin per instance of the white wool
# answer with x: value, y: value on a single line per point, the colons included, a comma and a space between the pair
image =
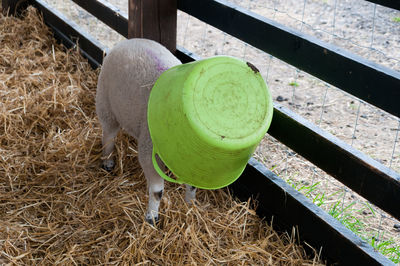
x: 128, y: 73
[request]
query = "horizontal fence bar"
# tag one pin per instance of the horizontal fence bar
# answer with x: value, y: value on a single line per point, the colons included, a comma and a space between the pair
x: 395, y: 4
x: 364, y: 79
x: 185, y: 55
x: 107, y: 13
x: 70, y: 34
x: 287, y: 207
x: 367, y: 177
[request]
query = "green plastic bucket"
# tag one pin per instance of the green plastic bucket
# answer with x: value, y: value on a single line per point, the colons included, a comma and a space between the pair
x: 206, y: 118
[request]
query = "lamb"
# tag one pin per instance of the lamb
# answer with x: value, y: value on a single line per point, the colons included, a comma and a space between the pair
x: 126, y: 78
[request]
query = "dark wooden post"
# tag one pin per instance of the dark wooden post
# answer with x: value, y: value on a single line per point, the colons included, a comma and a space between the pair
x: 14, y: 7
x: 155, y: 20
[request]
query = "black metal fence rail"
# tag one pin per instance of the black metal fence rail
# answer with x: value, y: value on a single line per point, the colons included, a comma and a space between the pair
x: 107, y: 13
x: 370, y: 179
x: 395, y: 4
x: 289, y: 207
x: 71, y: 34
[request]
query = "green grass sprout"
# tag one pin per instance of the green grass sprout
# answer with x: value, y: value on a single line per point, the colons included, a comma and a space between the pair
x: 346, y: 214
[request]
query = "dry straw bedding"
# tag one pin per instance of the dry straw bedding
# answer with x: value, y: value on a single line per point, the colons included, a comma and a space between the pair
x: 58, y: 206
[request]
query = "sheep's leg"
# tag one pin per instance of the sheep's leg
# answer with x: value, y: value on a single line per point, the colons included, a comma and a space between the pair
x: 190, y: 194
x: 110, y: 131
x: 155, y: 183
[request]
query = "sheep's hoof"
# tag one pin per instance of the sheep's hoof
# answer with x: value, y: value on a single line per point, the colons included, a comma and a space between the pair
x: 153, y: 220
x: 108, y: 165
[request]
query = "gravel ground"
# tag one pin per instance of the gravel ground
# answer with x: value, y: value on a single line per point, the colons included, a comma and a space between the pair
x: 358, y: 26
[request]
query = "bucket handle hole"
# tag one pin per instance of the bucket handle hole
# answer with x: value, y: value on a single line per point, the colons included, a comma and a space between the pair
x: 164, y: 172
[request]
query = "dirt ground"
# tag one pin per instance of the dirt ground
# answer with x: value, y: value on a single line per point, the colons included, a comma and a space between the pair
x: 362, y: 28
